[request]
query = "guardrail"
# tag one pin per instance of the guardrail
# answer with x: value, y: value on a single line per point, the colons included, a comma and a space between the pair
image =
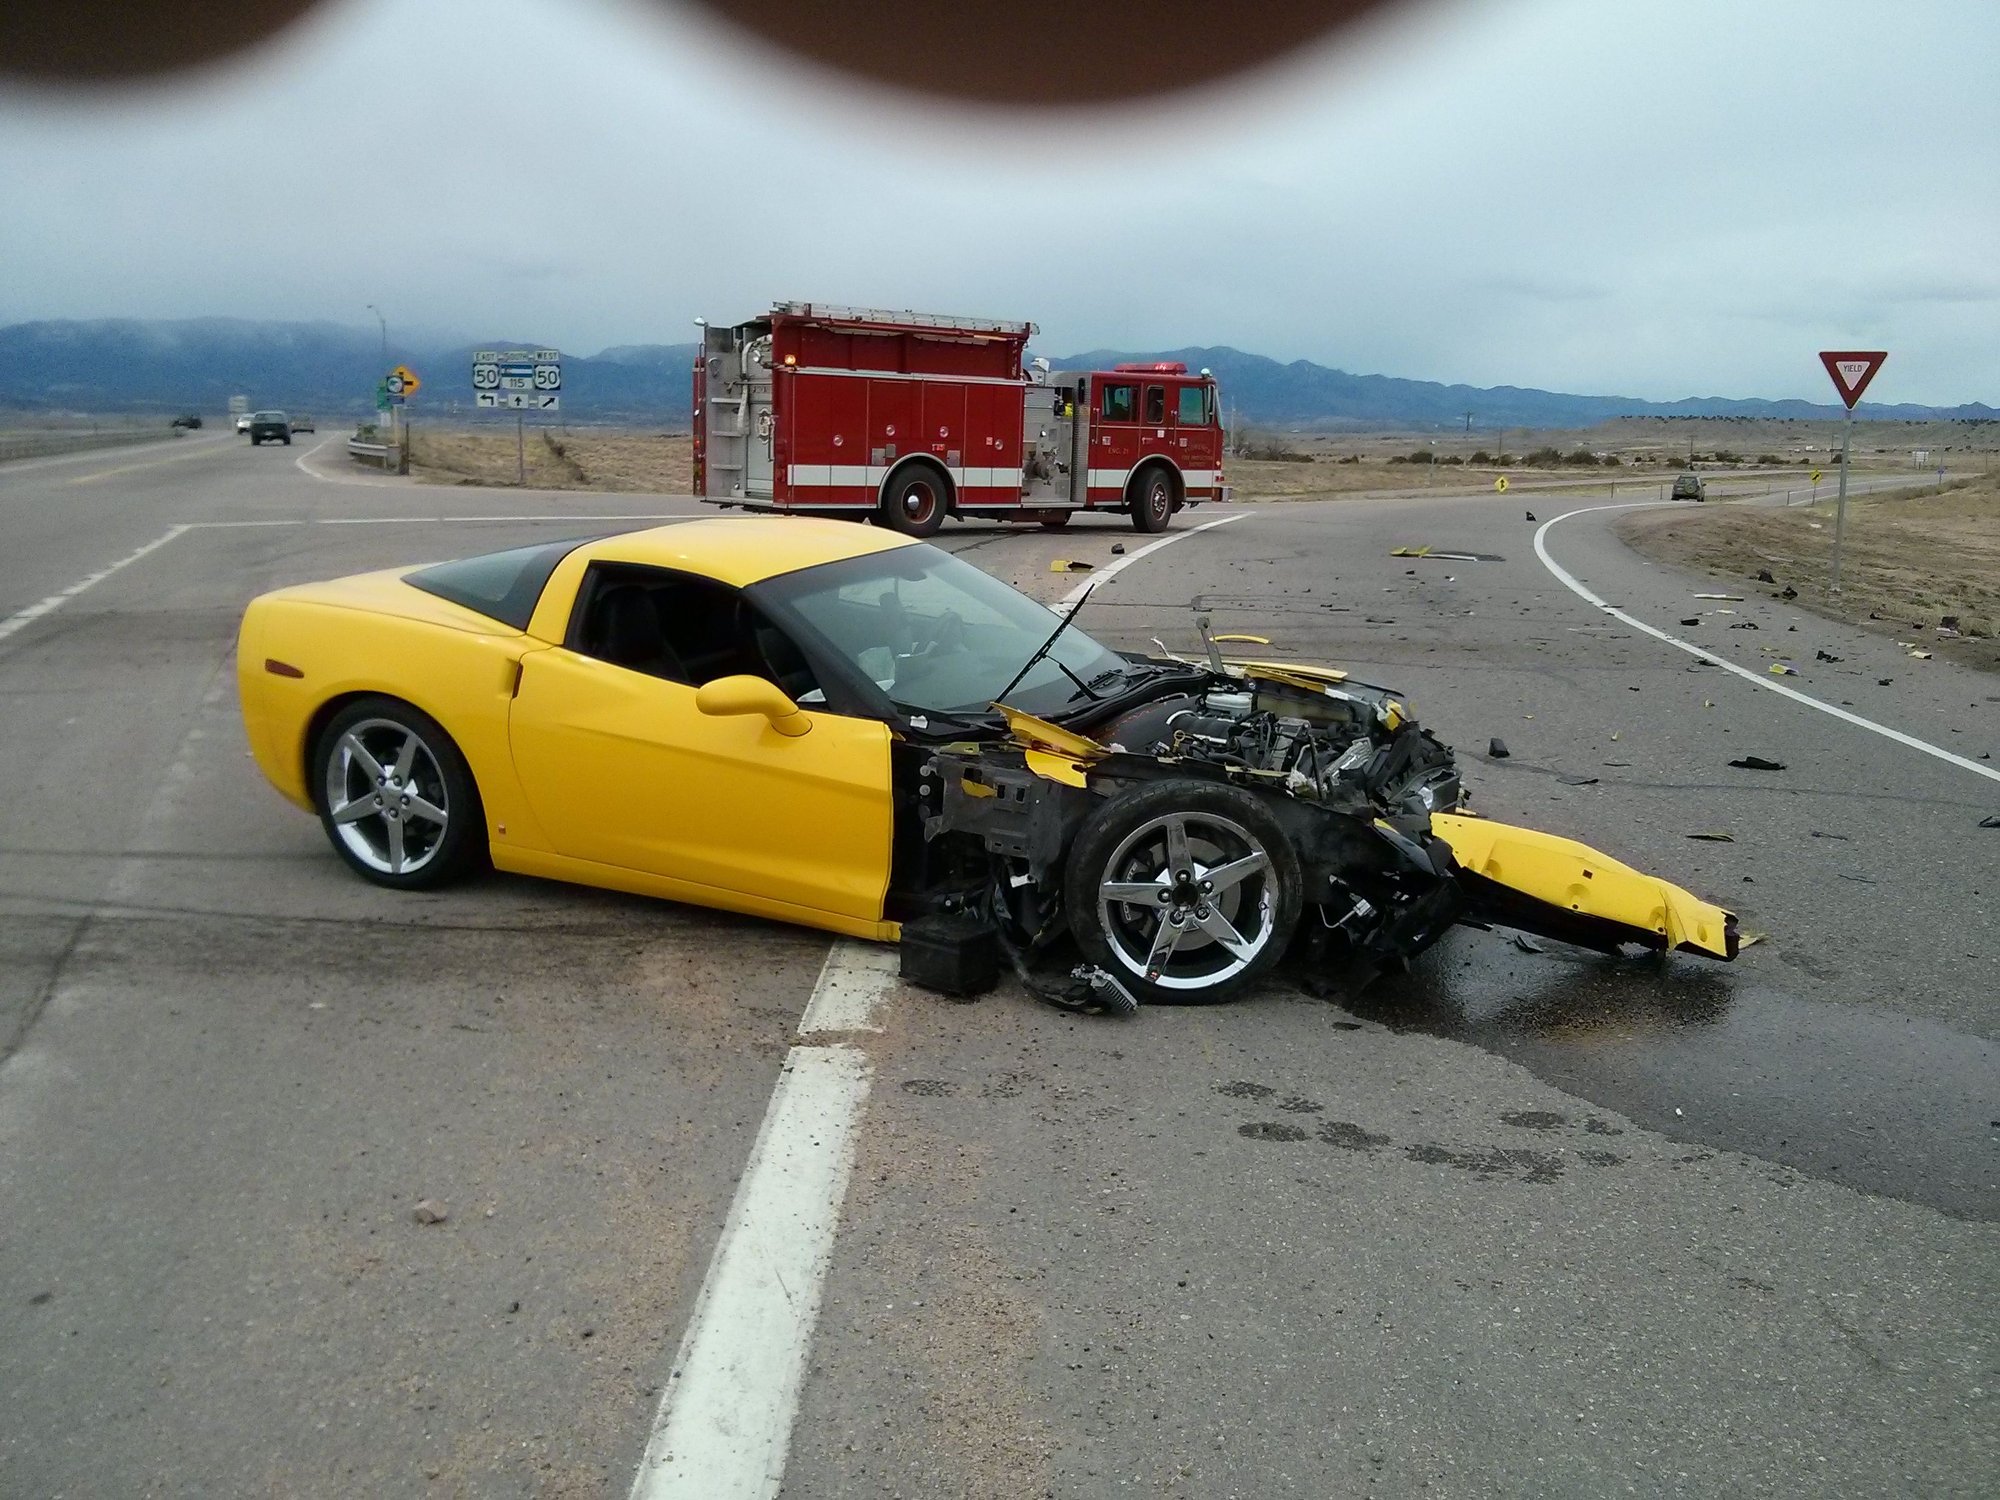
x: 42, y: 444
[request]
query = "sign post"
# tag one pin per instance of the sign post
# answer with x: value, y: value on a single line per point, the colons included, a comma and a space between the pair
x: 518, y: 380
x: 1851, y: 370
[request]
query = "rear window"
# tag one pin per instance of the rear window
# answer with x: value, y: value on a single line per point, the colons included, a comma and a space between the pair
x: 503, y: 586
x: 269, y: 416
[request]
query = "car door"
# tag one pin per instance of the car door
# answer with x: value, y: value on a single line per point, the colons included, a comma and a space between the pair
x: 622, y: 769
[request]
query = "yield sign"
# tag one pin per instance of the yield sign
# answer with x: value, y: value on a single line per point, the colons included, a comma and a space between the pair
x: 1851, y: 370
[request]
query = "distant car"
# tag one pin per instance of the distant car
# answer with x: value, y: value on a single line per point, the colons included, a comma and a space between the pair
x: 272, y: 425
x: 1689, y: 487
x: 189, y: 420
x: 303, y: 424
x: 243, y: 422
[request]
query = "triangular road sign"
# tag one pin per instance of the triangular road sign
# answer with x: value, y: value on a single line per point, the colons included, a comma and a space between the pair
x: 1851, y: 370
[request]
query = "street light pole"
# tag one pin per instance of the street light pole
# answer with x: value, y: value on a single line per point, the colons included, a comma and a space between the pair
x: 385, y: 362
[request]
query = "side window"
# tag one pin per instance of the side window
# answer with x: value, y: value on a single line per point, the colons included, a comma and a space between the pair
x: 1119, y: 403
x: 1156, y: 405
x: 1194, y: 406
x: 682, y: 628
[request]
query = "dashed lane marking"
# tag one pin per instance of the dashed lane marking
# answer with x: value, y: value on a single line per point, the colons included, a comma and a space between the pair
x: 724, y: 1426
x: 1569, y: 582
x: 22, y: 619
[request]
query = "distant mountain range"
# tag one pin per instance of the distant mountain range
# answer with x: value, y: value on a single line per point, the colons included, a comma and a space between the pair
x: 133, y: 365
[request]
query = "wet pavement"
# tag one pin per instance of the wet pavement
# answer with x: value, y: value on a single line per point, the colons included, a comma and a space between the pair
x: 1881, y: 1102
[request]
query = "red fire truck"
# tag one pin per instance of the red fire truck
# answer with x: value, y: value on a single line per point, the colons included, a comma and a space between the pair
x: 908, y: 417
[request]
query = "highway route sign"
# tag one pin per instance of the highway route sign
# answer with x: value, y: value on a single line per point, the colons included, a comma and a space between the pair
x: 519, y: 400
x: 536, y: 370
x: 1851, y: 370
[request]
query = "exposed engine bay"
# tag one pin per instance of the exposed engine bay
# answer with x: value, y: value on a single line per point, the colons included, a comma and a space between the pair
x: 1188, y: 843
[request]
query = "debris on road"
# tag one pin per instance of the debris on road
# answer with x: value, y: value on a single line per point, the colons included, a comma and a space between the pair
x: 1757, y: 763
x: 1764, y: 576
x: 1779, y: 669
x: 1788, y: 592
x: 1920, y: 656
x: 1884, y: 681
x: 1527, y: 944
x: 1989, y: 822
x: 429, y: 1211
x: 1066, y: 565
x: 1577, y: 780
x: 1497, y: 749
x: 1714, y: 838
x: 1744, y: 625
x: 1726, y: 598
x: 1821, y: 834
x: 1531, y: 515
x: 1117, y: 549
x: 1692, y: 620
x: 1825, y: 656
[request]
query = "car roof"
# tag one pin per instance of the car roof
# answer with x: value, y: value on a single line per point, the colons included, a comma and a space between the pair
x: 744, y: 550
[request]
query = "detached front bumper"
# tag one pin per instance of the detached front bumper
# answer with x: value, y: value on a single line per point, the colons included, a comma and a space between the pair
x: 1558, y: 888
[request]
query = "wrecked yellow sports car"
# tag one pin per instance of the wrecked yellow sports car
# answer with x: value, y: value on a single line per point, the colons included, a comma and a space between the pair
x: 843, y: 727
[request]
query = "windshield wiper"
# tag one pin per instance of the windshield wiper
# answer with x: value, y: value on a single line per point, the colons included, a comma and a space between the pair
x: 1043, y: 650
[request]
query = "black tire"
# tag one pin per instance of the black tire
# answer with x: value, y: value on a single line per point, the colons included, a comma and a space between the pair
x: 1118, y: 849
x: 1152, y: 498
x: 372, y: 843
x: 255, y: 441
x: 1054, y: 523
x: 288, y: 442
x: 915, y: 501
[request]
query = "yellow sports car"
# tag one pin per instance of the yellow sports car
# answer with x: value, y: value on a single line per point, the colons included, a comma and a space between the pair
x: 840, y: 726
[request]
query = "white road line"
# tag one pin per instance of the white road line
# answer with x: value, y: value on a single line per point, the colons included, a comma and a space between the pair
x: 1761, y: 680
x: 1113, y: 569
x: 724, y: 1426
x: 301, y: 459
x: 850, y: 989
x: 24, y: 618
x: 12, y: 466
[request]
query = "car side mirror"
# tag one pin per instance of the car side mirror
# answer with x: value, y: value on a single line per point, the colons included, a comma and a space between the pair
x: 728, y: 697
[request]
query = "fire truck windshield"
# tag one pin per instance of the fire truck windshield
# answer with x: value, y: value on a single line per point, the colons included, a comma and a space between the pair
x: 936, y: 635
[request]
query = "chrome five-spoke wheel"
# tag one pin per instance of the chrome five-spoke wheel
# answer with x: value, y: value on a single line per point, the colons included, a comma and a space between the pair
x: 395, y: 795
x: 386, y: 797
x: 1189, y: 890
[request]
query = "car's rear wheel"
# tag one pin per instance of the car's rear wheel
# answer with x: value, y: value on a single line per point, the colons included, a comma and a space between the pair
x: 395, y: 796
x: 1152, y: 499
x: 915, y: 501
x: 1185, y: 891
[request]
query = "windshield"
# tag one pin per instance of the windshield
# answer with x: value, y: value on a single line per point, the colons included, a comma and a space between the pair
x: 939, y: 636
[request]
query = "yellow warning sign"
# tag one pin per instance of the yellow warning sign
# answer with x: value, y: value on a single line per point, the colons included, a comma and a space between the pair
x: 1815, y: 476
x: 1500, y: 484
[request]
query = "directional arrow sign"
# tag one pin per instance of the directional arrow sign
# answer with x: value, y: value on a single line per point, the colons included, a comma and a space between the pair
x: 409, y: 379
x: 1851, y: 370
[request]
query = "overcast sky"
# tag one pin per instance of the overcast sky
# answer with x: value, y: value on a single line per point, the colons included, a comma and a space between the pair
x: 1657, y: 199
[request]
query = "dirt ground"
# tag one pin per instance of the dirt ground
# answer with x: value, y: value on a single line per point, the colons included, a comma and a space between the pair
x: 1908, y: 562
x: 584, y: 458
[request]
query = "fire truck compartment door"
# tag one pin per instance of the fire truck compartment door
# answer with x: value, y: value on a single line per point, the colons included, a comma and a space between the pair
x: 760, y: 424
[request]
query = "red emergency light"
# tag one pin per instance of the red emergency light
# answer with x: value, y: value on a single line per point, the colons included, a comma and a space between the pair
x: 1161, y: 367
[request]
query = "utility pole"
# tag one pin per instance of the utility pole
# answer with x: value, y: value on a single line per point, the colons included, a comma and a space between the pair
x: 1468, y: 424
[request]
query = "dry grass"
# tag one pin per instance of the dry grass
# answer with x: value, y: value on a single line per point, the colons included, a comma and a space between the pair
x: 1907, y: 561
x: 583, y: 459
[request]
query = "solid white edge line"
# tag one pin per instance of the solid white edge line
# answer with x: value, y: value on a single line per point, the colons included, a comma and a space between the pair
x: 851, y: 985
x: 22, y: 619
x: 1105, y: 574
x: 724, y: 1425
x: 1568, y: 581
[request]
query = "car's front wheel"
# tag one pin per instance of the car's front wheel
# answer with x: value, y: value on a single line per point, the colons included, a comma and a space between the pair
x: 1186, y: 891
x: 395, y: 796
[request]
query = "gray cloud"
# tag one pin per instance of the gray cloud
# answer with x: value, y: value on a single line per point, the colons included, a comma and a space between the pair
x: 1648, y: 198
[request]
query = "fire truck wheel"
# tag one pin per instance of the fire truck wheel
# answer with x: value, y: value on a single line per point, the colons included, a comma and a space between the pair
x: 1152, y: 499
x: 915, y: 501
x: 1054, y: 523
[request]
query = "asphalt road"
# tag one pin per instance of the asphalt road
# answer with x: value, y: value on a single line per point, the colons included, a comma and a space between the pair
x: 1516, y: 1222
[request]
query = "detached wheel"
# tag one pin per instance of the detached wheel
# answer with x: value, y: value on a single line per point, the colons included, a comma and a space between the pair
x: 914, y: 503
x: 1185, y: 891
x: 396, y: 797
x: 1153, y: 500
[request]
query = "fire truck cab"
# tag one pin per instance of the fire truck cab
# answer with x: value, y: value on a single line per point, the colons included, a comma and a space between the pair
x: 906, y: 418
